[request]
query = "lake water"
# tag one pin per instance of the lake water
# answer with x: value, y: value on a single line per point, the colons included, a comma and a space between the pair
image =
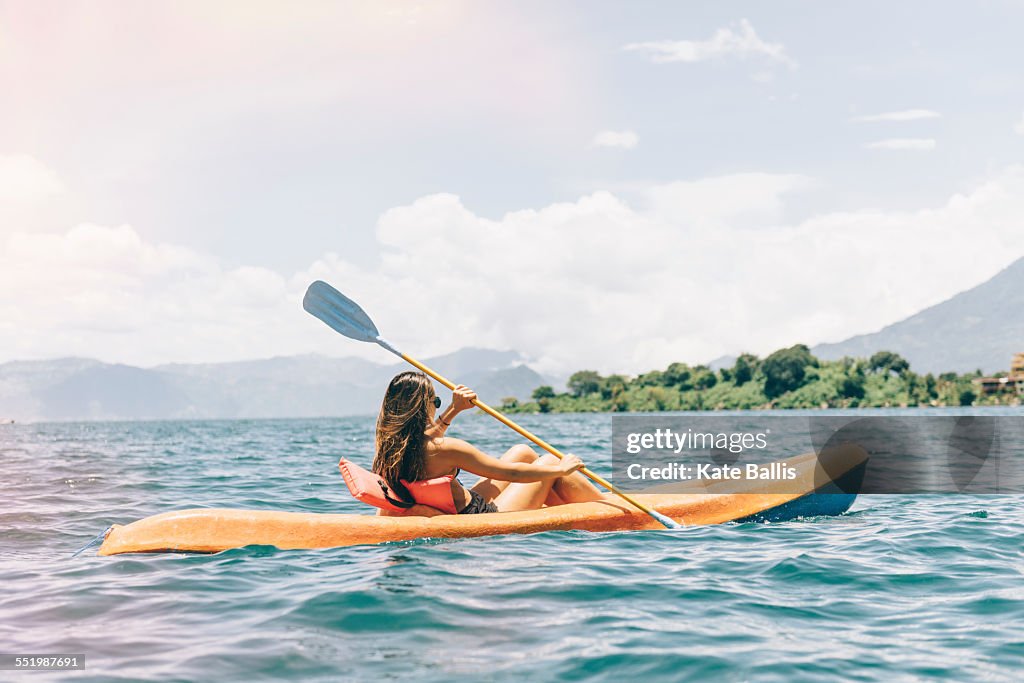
x: 902, y: 588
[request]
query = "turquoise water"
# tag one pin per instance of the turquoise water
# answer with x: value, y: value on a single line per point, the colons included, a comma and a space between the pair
x: 902, y: 588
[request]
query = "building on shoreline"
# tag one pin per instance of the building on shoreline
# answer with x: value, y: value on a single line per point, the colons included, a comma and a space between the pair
x: 1012, y: 383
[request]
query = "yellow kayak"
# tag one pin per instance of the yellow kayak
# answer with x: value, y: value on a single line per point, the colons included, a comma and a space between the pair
x: 815, y: 491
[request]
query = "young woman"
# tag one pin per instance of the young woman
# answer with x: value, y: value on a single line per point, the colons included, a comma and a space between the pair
x: 413, y: 453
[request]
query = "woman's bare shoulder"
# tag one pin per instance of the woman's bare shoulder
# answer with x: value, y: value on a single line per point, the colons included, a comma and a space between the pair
x: 447, y: 453
x: 447, y: 445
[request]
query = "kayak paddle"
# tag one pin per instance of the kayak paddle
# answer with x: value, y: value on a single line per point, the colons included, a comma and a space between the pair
x: 346, y: 317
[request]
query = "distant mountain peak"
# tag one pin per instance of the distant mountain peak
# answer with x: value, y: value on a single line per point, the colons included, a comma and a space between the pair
x: 481, y: 355
x: 981, y: 327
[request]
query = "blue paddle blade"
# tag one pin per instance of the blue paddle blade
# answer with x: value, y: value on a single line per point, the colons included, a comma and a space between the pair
x: 339, y: 312
x: 667, y: 521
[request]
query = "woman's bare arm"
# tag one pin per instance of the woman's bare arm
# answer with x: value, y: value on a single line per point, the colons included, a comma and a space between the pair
x: 462, y: 399
x: 466, y: 456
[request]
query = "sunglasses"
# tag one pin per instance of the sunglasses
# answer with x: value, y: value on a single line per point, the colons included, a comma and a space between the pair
x: 437, y: 402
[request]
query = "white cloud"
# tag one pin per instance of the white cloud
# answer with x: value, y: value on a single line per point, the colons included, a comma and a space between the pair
x: 913, y: 144
x: 701, y: 268
x: 903, y: 115
x: 622, y: 139
x: 24, y: 179
x: 732, y: 41
x: 738, y: 201
x: 694, y: 270
x: 1019, y: 128
x: 105, y: 292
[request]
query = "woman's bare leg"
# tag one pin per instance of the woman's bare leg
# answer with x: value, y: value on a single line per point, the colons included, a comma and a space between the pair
x: 490, y: 488
x: 576, y: 488
x: 509, y: 497
x: 553, y: 498
x: 526, y: 495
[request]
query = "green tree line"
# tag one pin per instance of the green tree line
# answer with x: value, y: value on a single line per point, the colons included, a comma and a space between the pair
x: 789, y: 378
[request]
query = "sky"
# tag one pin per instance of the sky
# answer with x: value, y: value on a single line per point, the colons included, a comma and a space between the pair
x: 595, y: 184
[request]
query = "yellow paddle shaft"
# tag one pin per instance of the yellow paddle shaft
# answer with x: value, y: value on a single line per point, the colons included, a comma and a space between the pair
x: 529, y: 435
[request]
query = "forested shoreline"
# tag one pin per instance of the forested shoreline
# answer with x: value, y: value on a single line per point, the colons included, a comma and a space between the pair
x: 787, y: 378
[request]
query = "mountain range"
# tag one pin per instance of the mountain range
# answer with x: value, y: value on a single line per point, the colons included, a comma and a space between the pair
x: 293, y: 386
x: 980, y: 328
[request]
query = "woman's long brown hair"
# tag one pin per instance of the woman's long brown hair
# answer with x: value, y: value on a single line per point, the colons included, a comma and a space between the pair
x: 401, y: 433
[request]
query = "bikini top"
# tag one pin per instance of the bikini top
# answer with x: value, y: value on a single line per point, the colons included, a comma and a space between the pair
x: 371, y: 488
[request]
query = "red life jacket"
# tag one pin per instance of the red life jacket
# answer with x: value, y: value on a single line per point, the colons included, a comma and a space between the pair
x: 371, y: 489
